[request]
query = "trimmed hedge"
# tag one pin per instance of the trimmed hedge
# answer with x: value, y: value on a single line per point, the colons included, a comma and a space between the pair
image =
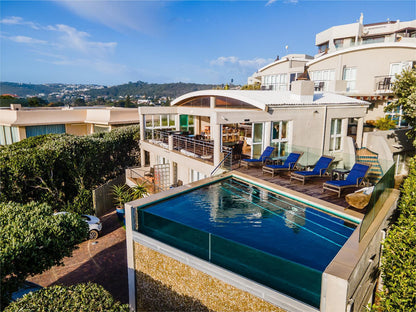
x: 33, y: 240
x: 399, y: 255
x: 80, y: 297
x: 62, y: 169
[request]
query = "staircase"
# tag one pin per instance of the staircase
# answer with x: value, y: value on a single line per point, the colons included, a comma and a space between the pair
x: 375, y: 173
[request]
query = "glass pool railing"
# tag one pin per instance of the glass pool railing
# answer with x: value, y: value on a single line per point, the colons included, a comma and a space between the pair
x: 293, y: 279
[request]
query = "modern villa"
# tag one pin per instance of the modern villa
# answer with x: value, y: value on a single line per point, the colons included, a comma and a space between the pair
x: 226, y: 237
x: 18, y: 123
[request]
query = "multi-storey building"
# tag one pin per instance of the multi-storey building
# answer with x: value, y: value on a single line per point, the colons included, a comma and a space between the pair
x: 18, y: 123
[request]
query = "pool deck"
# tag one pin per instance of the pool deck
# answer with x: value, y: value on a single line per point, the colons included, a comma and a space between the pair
x: 312, y: 190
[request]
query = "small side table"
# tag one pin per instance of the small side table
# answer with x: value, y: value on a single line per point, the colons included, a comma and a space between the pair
x: 340, y: 172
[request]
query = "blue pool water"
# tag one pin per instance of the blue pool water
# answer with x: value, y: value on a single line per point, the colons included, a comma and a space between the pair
x: 272, y: 239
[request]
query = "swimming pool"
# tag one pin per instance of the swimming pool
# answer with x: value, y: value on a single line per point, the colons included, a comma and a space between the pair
x: 271, y: 239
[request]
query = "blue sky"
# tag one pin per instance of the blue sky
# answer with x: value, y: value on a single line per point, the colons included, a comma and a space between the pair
x: 114, y: 42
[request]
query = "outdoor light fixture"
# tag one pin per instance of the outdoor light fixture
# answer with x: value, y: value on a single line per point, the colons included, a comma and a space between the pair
x: 246, y: 120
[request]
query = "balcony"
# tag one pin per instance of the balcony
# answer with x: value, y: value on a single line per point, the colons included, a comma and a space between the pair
x: 383, y: 84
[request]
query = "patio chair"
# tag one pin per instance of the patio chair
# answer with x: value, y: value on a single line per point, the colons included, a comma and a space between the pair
x: 256, y: 161
x: 288, y: 165
x: 319, y: 170
x: 354, y: 179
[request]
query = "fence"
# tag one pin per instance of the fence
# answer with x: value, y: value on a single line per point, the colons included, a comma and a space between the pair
x: 102, y: 196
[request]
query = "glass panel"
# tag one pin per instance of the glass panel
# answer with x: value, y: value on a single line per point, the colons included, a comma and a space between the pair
x: 337, y: 143
x: 258, y: 132
x: 275, y: 130
x: 333, y: 122
x: 190, y: 120
x: 257, y: 150
x: 8, y: 135
x: 156, y: 121
x: 2, y: 136
x: 284, y: 130
x: 15, y: 134
x: 164, y: 120
x: 338, y: 123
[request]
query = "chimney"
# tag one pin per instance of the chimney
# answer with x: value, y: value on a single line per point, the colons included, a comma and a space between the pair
x: 15, y: 106
x: 303, y: 90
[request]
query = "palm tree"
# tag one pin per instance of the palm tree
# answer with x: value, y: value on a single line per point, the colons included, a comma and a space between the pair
x: 140, y: 191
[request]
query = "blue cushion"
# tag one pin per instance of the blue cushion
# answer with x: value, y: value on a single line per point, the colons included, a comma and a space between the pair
x: 340, y: 183
x: 306, y: 173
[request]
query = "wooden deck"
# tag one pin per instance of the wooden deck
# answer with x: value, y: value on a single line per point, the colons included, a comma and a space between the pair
x: 312, y: 187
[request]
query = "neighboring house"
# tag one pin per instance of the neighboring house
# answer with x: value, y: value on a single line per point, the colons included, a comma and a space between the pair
x: 358, y: 60
x: 300, y: 119
x: 18, y: 123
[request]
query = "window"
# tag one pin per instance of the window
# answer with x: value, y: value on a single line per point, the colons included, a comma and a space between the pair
x: 397, y: 116
x: 349, y: 76
x: 196, y: 176
x: 279, y: 137
x: 99, y: 129
x: 397, y: 68
x: 160, y: 122
x: 275, y: 82
x: 321, y: 78
x: 323, y: 47
x: 46, y: 129
x: 339, y: 43
x: 373, y: 40
x: 8, y: 135
x: 335, y: 138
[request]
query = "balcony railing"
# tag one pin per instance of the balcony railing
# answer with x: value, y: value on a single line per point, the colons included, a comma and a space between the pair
x: 188, y: 145
x: 383, y: 84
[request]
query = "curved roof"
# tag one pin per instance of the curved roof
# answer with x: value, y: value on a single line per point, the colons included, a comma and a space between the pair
x: 262, y: 98
x: 381, y: 45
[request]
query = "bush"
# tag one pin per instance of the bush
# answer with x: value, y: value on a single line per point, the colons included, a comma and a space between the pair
x: 80, y: 297
x: 399, y: 254
x: 62, y: 169
x: 33, y: 240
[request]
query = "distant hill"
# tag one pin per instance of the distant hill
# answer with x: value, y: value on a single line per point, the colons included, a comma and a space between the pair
x: 172, y: 90
x: 24, y: 89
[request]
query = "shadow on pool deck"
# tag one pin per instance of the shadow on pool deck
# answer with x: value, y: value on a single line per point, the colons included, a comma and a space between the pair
x: 103, y: 261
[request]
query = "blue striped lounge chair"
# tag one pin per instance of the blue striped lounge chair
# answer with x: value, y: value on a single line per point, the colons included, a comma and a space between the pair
x: 288, y: 165
x: 354, y: 179
x: 320, y: 168
x: 256, y: 161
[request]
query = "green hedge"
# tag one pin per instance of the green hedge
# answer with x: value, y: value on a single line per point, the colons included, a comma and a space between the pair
x: 62, y: 169
x: 33, y: 240
x: 399, y: 255
x: 81, y: 297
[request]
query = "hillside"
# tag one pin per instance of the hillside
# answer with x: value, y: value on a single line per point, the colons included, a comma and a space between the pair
x: 172, y: 90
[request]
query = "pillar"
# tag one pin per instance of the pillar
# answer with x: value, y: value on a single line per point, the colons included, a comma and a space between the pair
x: 267, y: 135
x: 359, y: 136
x: 142, y: 119
x: 216, y: 136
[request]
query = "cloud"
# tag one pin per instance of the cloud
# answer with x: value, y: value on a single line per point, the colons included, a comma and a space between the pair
x: 233, y: 60
x: 16, y: 20
x: 27, y: 40
x: 79, y: 40
x: 119, y: 15
x: 270, y: 2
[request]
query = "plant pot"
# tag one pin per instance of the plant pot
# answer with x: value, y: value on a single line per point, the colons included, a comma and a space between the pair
x: 120, y: 213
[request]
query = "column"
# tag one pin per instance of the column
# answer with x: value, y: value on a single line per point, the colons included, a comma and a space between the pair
x: 267, y: 134
x: 216, y: 136
x: 142, y: 119
x: 212, y: 102
x: 359, y: 136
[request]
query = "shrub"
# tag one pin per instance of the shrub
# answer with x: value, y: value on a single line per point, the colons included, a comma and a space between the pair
x: 80, y: 297
x: 62, y: 169
x: 33, y: 240
x: 399, y: 254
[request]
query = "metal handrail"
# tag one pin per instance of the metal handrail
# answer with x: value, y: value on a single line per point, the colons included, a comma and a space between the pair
x: 156, y: 188
x: 230, y: 153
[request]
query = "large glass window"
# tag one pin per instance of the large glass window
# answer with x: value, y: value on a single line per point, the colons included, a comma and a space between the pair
x: 257, y: 144
x: 160, y: 122
x: 323, y: 47
x: 397, y: 116
x: 8, y: 135
x: 373, y: 40
x: 275, y: 82
x: 279, y: 137
x: 339, y: 43
x: 397, y: 68
x: 349, y: 76
x: 321, y: 78
x: 46, y: 129
x: 336, y: 128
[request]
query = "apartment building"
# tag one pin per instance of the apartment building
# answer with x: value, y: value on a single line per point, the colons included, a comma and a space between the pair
x: 18, y: 123
x: 358, y: 60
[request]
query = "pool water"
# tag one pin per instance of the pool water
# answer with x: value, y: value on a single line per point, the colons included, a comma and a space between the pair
x: 260, y: 234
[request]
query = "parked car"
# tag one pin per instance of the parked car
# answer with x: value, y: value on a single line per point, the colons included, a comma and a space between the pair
x: 27, y: 287
x: 94, y: 224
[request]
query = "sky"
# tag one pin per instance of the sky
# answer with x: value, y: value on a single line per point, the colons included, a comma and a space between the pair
x: 115, y: 42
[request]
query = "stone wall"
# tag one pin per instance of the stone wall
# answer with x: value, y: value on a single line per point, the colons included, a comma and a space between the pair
x: 165, y: 284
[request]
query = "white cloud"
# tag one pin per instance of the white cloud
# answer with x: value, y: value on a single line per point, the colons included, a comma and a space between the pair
x: 270, y: 2
x: 16, y: 20
x: 233, y: 60
x: 27, y: 40
x: 79, y: 40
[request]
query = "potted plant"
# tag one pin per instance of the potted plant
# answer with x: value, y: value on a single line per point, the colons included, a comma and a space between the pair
x: 121, y: 195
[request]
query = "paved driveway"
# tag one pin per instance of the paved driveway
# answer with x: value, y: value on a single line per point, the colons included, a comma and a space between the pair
x: 102, y: 261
